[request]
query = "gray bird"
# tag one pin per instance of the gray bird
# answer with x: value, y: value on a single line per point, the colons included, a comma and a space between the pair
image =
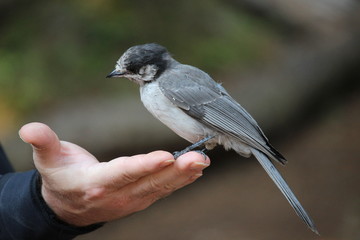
x: 198, y: 109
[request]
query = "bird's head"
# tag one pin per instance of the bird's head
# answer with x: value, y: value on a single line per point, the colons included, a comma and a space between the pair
x: 142, y: 63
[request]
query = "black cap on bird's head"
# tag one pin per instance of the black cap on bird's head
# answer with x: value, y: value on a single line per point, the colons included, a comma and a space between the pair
x: 142, y: 63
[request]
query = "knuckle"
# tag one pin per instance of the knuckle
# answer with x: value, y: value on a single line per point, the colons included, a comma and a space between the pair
x: 94, y: 194
x: 157, y: 187
x: 127, y: 178
x: 156, y: 190
x: 170, y: 187
x: 154, y: 184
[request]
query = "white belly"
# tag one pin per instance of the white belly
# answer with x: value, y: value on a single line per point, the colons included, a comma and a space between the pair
x: 169, y: 114
x: 184, y: 125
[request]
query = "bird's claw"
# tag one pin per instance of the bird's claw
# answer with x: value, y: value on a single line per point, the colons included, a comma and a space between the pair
x: 192, y: 147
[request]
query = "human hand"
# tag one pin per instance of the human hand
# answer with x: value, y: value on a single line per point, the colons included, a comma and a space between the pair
x: 82, y: 191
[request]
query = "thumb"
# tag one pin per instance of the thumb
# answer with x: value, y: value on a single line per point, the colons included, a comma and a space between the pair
x: 45, y: 143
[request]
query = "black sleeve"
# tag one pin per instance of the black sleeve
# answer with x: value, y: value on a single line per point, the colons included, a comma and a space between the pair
x: 5, y: 165
x: 25, y: 215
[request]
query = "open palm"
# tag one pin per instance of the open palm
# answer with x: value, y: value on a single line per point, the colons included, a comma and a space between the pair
x: 83, y: 191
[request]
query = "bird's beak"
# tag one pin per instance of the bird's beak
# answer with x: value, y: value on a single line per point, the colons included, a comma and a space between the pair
x: 115, y: 73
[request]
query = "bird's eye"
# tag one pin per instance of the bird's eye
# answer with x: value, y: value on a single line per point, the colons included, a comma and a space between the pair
x: 134, y: 69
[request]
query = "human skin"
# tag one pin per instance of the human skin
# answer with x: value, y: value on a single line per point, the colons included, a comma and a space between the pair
x: 83, y: 191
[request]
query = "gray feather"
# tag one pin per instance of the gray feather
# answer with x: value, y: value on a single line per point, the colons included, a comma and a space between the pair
x: 284, y: 188
x: 204, y: 108
x: 202, y: 98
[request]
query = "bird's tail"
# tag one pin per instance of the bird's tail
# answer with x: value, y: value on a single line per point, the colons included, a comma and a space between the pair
x: 284, y: 188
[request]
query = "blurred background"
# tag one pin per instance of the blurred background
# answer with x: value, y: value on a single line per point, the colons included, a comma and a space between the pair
x: 294, y: 65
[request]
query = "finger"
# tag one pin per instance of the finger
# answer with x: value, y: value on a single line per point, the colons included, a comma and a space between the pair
x: 122, y: 171
x: 184, y: 171
x: 44, y: 141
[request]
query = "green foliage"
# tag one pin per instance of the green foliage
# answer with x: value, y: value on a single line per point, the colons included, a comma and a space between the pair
x: 64, y: 49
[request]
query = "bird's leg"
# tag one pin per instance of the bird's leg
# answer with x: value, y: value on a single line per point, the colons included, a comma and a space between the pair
x: 202, y: 151
x: 192, y: 147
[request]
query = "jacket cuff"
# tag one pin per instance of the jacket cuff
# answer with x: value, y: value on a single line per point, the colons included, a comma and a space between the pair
x: 25, y: 215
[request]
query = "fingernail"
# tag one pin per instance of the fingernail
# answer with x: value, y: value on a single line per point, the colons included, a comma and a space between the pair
x: 199, y: 165
x: 196, y: 176
x: 167, y: 163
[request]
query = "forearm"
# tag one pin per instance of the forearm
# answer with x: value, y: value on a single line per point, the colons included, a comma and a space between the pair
x: 25, y: 215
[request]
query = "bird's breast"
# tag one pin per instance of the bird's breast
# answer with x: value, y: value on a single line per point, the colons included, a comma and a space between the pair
x: 169, y: 114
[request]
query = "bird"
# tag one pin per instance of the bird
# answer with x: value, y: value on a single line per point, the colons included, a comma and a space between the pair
x: 200, y: 110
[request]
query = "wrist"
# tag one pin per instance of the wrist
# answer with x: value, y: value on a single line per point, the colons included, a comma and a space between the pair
x: 62, y: 208
x: 49, y: 217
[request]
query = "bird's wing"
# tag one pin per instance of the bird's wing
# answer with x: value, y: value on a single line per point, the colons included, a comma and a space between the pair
x: 202, y: 98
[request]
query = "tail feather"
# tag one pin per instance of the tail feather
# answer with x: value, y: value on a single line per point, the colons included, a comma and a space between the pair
x: 284, y: 188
